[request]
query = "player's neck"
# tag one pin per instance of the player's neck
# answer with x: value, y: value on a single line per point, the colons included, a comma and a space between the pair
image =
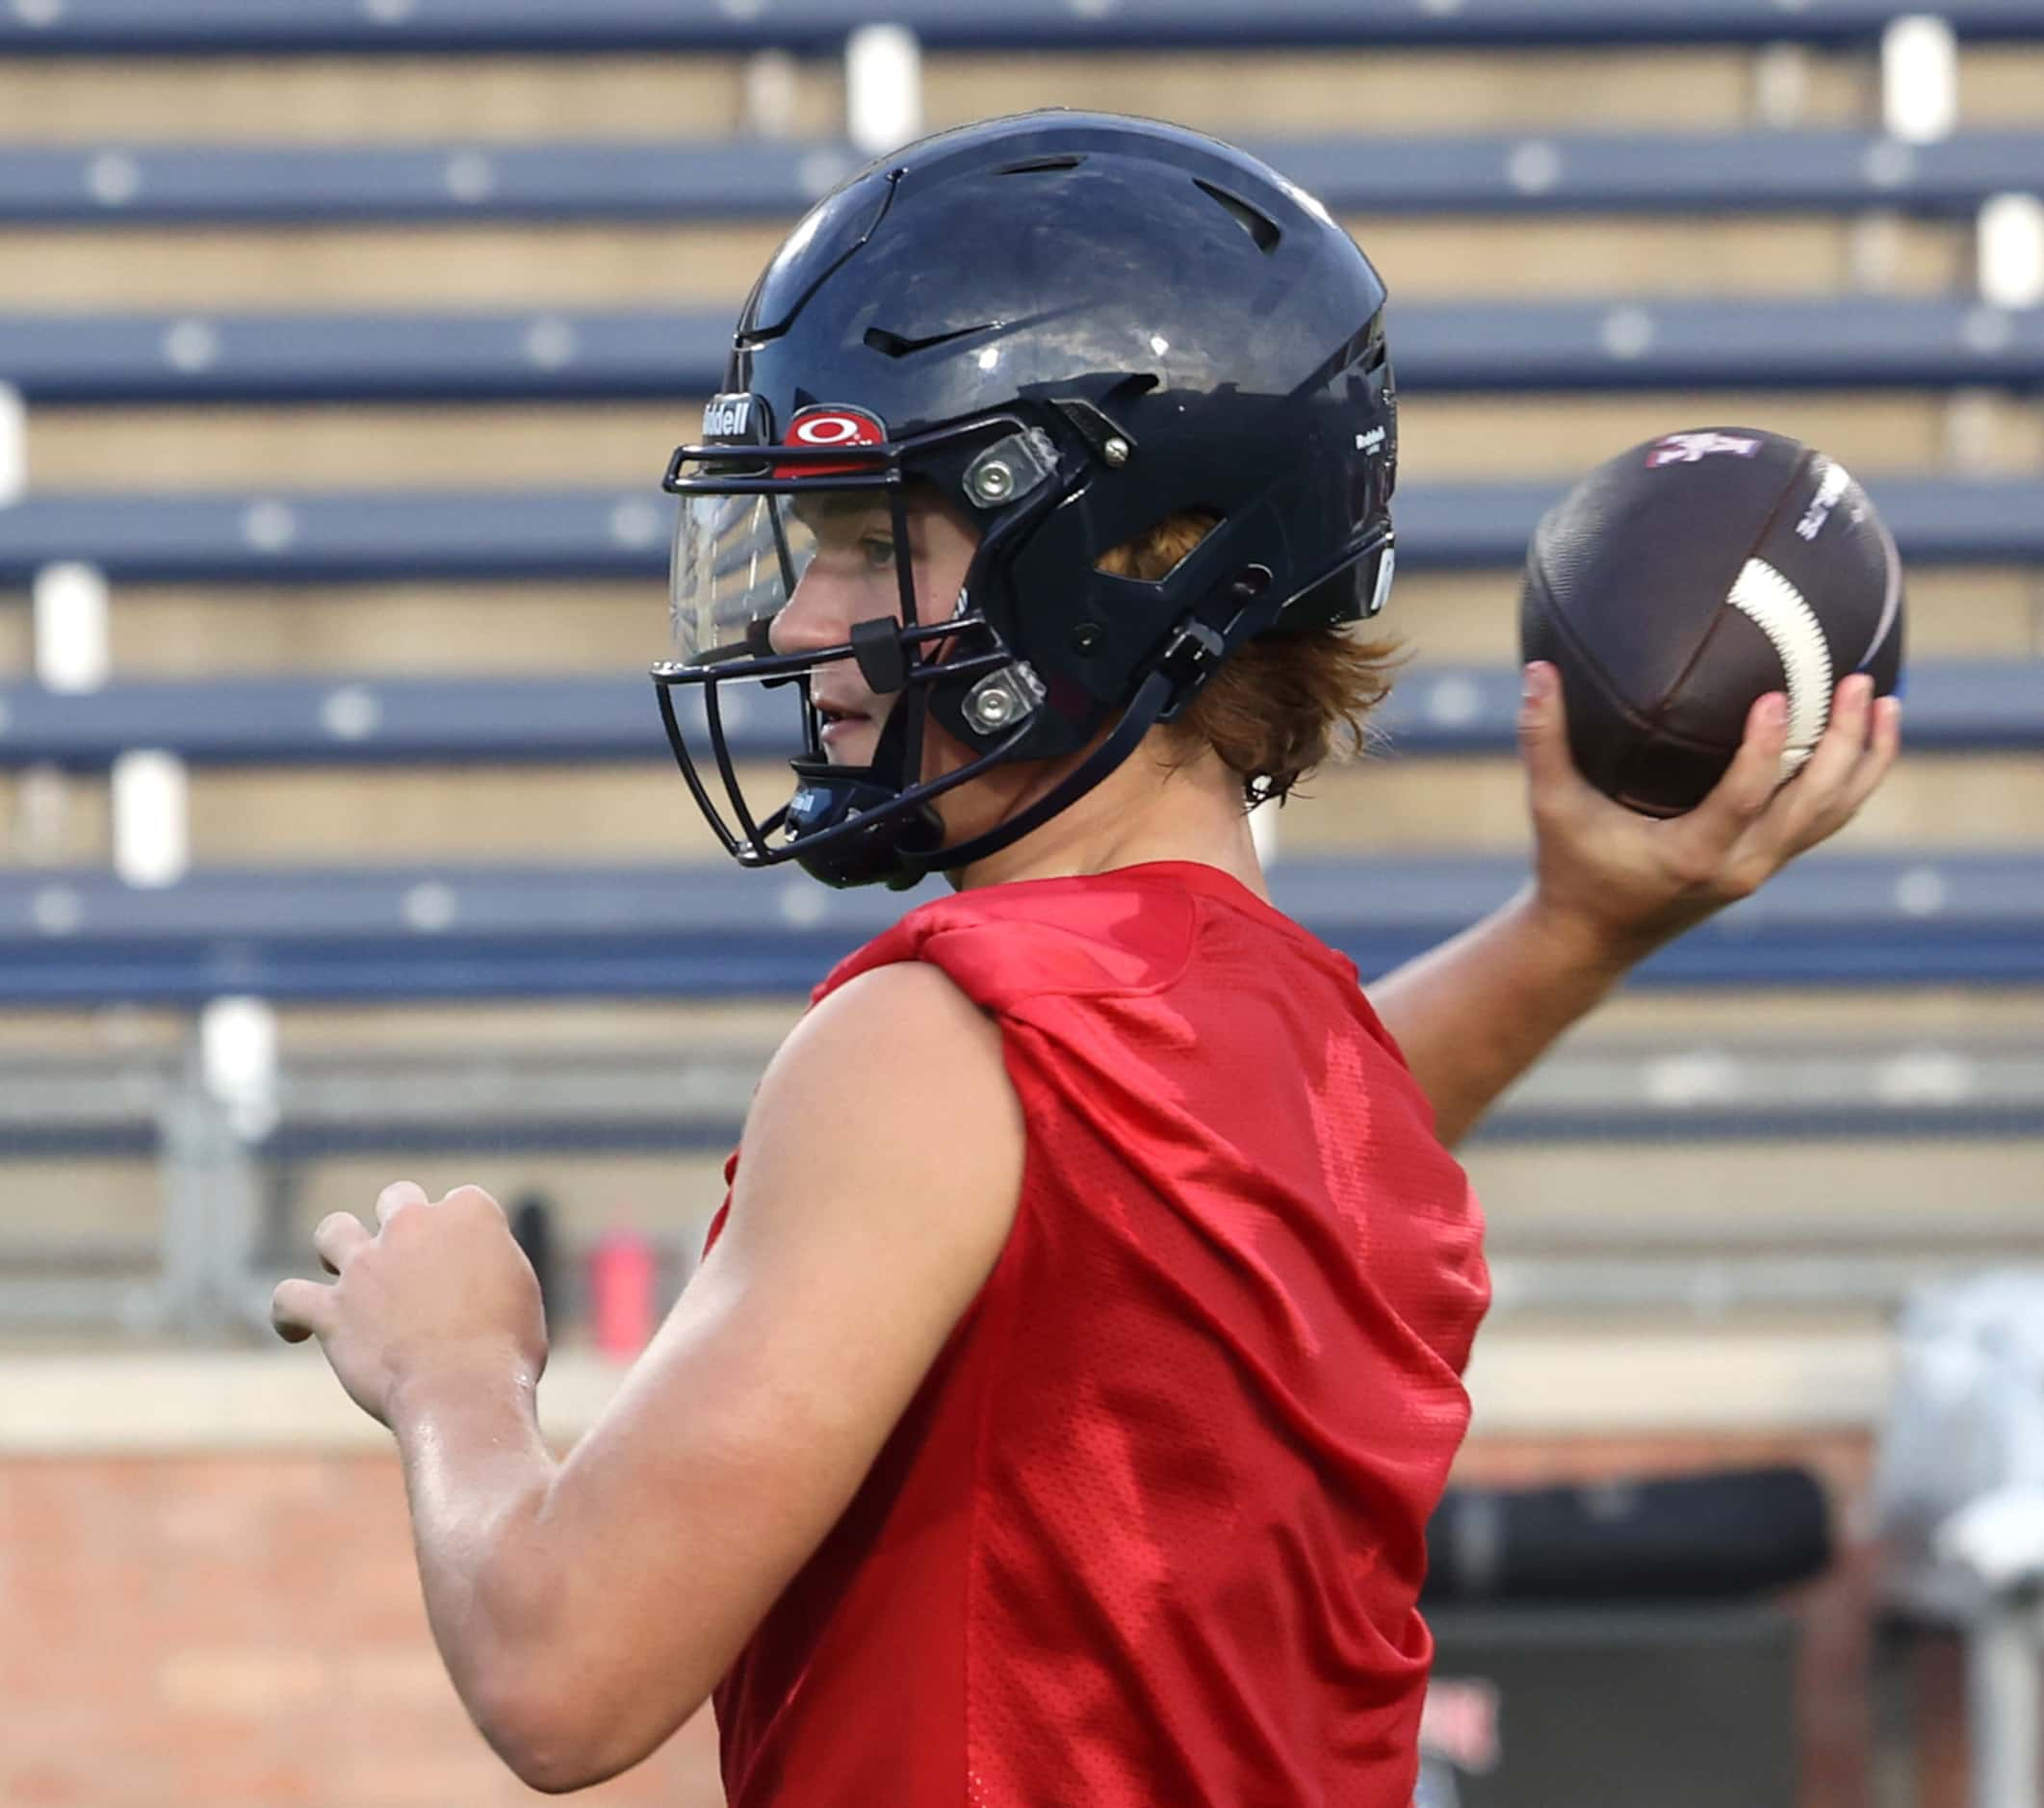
x: 1153, y: 807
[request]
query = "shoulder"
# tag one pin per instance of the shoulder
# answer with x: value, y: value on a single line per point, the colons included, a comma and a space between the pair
x: 888, y: 1104
x: 888, y: 1014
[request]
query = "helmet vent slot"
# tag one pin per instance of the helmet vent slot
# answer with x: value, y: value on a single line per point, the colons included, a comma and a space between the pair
x: 1041, y: 165
x: 1261, y: 226
x: 895, y: 346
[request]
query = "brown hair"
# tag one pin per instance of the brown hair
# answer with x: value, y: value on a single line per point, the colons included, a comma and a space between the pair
x: 1280, y: 704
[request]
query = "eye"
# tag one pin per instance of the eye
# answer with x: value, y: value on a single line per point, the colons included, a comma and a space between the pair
x: 879, y: 551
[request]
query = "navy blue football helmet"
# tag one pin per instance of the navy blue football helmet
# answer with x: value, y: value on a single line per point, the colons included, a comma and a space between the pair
x: 1073, y: 327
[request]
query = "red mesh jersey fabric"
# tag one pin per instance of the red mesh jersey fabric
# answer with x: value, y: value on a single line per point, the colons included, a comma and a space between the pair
x: 1154, y: 1529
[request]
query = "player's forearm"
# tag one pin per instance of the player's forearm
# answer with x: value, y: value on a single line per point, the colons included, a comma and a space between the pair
x: 1475, y: 1012
x: 478, y: 1475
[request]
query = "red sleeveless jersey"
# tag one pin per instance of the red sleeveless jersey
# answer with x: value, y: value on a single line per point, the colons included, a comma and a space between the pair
x: 1152, y: 1530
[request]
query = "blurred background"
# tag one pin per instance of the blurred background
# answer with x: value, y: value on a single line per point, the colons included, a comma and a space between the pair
x: 343, y: 344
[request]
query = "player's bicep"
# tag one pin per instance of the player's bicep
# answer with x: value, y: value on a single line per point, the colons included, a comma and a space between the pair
x: 882, y: 1164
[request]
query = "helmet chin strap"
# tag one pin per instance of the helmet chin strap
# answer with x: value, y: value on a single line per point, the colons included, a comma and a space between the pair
x: 1193, y: 651
x: 901, y: 849
x: 1143, y: 713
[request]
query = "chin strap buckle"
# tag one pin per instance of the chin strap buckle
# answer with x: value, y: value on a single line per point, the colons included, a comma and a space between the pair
x: 1189, y: 659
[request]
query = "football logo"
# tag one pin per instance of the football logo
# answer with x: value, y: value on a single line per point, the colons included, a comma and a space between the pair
x: 823, y: 426
x: 1690, y: 448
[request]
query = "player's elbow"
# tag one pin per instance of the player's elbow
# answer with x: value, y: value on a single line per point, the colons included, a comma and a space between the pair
x: 559, y: 1734
x: 550, y: 1745
x: 544, y: 1741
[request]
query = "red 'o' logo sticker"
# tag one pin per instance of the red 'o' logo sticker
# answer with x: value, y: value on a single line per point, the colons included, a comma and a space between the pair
x: 836, y: 427
x: 827, y: 426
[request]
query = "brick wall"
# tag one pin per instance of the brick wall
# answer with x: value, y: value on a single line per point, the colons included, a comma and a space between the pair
x: 245, y: 1631
x: 241, y: 1632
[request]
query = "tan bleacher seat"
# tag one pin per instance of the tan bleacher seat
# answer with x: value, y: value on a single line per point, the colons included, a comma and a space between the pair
x: 368, y: 448
x: 510, y: 266
x: 1441, y: 438
x: 2001, y: 85
x: 398, y: 628
x: 344, y: 267
x: 1249, y: 92
x: 338, y: 99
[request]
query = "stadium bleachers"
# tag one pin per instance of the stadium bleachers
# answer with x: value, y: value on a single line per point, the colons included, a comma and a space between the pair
x: 360, y: 414
x: 353, y: 335
x: 1871, y: 342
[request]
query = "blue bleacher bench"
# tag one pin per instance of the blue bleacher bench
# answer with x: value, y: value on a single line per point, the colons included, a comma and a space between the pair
x: 692, y: 1096
x: 1860, y: 341
x: 1744, y: 171
x: 334, y: 719
x: 80, y: 937
x: 414, y: 536
x: 413, y: 27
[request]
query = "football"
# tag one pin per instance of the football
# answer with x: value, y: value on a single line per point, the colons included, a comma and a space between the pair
x: 1686, y: 578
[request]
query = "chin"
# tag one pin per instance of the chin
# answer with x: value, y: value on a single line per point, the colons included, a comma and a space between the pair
x: 856, y: 751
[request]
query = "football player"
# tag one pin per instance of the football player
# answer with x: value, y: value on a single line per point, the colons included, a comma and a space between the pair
x: 1058, y: 1410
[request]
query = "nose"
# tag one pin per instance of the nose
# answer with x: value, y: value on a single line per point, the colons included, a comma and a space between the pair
x: 814, y: 617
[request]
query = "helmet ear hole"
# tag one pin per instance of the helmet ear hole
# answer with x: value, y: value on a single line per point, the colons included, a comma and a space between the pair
x: 1151, y: 556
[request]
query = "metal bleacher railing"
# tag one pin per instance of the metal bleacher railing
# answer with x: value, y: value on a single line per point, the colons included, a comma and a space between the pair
x: 80, y: 936
x: 1862, y: 341
x: 482, y: 27
x: 1956, y: 706
x: 371, y: 536
x: 1604, y: 172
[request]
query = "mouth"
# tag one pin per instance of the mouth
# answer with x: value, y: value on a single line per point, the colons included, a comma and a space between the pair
x: 841, y: 724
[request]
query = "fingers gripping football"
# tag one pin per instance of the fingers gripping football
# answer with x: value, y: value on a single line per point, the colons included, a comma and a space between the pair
x: 1638, y: 880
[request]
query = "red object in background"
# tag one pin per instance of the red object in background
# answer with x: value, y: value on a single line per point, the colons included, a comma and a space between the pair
x: 622, y: 1272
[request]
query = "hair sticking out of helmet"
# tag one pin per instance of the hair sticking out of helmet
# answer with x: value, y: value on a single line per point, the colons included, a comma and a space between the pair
x: 1281, y: 705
